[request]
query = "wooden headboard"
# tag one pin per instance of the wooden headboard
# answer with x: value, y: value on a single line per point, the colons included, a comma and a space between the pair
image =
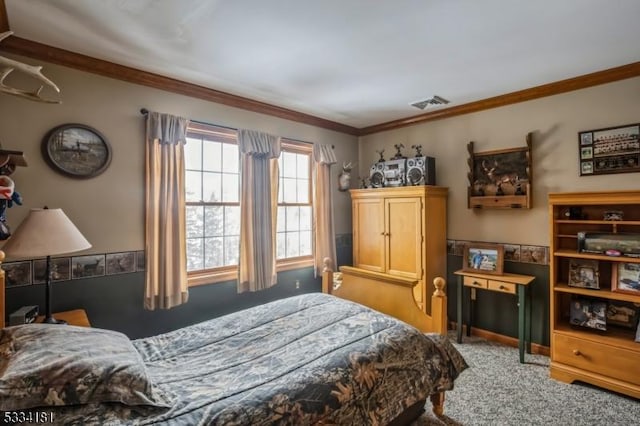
x: 390, y: 294
x: 2, y: 292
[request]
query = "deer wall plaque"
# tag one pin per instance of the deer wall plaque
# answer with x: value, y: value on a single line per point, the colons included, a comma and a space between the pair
x: 501, y: 178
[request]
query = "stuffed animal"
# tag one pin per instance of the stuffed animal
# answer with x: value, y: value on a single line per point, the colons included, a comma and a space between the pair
x: 8, y: 196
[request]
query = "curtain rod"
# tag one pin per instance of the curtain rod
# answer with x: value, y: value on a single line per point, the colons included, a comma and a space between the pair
x: 145, y: 111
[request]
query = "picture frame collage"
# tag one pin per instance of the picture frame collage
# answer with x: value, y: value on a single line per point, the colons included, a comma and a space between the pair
x: 28, y: 272
x: 609, y: 150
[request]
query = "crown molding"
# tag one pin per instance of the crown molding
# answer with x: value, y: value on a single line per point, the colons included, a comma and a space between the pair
x: 588, y: 80
x: 20, y: 46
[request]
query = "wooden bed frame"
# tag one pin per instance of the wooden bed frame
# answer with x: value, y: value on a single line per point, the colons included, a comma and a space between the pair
x: 393, y: 296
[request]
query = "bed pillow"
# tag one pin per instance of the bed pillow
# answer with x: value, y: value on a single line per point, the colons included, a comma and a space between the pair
x: 51, y: 364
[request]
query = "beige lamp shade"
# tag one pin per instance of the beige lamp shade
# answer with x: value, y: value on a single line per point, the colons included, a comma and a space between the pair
x: 45, y: 232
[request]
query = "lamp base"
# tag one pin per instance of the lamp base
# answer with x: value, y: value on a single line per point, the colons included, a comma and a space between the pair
x: 52, y: 320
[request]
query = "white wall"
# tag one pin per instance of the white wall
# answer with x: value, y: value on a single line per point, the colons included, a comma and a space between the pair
x: 555, y: 121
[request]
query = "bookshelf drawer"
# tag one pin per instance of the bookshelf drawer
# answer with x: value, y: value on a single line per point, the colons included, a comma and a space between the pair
x: 618, y: 363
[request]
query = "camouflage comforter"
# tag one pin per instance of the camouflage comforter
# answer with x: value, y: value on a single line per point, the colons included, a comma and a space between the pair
x: 303, y: 360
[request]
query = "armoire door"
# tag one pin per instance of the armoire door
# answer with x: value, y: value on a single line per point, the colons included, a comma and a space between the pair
x: 403, y: 233
x: 368, y: 234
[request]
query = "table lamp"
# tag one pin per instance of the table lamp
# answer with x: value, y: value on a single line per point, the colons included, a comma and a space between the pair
x: 45, y: 232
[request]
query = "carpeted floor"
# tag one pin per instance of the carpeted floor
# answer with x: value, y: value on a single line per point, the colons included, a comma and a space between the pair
x: 497, y: 390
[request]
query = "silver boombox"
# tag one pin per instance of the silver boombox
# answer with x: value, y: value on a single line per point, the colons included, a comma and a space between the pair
x: 388, y: 173
x: 401, y: 172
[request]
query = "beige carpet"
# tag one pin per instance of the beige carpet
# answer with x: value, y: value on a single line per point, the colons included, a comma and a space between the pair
x: 497, y: 390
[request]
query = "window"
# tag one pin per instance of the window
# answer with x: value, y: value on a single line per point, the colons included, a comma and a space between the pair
x: 212, y: 185
x: 294, y: 226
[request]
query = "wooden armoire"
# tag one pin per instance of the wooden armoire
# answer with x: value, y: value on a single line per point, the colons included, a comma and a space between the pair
x: 402, y: 231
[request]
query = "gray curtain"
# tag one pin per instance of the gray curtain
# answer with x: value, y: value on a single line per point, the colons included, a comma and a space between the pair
x: 258, y: 209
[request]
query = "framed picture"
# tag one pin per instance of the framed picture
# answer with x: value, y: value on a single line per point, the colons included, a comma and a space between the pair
x: 609, y: 150
x: 588, y: 313
x: 17, y: 273
x: 120, y: 263
x: 512, y: 252
x: 60, y: 270
x: 76, y: 150
x: 586, y: 168
x: 625, y: 278
x: 534, y: 254
x: 140, y: 260
x: 624, y: 314
x: 584, y: 273
x: 483, y: 257
x: 87, y: 266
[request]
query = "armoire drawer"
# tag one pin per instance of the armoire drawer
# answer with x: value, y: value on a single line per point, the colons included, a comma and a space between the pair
x: 618, y: 363
x: 475, y: 282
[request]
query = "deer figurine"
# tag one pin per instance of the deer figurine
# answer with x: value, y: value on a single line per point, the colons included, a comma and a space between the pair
x: 344, y: 178
x: 498, y: 178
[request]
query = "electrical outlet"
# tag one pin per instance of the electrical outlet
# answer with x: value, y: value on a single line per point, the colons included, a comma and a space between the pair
x: 297, y: 284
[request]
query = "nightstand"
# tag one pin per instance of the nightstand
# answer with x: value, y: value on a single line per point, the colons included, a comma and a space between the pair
x: 76, y: 317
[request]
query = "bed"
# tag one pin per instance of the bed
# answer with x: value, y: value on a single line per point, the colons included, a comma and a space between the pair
x: 309, y: 359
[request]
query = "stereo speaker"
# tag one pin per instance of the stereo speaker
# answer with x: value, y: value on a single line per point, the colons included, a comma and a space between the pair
x: 421, y: 171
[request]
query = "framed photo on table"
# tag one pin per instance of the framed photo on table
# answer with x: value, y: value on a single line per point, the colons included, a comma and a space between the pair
x: 625, y: 278
x: 483, y: 258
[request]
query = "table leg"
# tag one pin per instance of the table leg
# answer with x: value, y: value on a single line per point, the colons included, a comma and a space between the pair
x: 528, y: 327
x: 472, y: 301
x: 521, y: 320
x: 459, y: 311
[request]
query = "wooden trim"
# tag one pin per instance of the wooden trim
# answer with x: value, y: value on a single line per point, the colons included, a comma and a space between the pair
x: 4, y: 17
x: 20, y: 46
x: 210, y: 277
x: 550, y: 89
x: 294, y: 263
x: 504, y: 340
x: 230, y: 273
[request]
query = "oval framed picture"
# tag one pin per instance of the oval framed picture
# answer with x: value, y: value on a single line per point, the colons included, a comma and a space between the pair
x: 76, y: 150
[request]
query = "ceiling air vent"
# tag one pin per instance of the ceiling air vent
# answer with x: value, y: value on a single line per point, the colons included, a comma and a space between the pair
x: 434, y: 101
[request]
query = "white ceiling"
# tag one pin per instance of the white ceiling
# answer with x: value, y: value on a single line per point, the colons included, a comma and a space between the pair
x: 356, y: 62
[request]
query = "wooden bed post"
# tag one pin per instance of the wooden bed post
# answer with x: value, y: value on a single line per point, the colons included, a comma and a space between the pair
x: 437, y: 400
x: 439, y: 307
x: 1, y: 290
x: 327, y: 276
